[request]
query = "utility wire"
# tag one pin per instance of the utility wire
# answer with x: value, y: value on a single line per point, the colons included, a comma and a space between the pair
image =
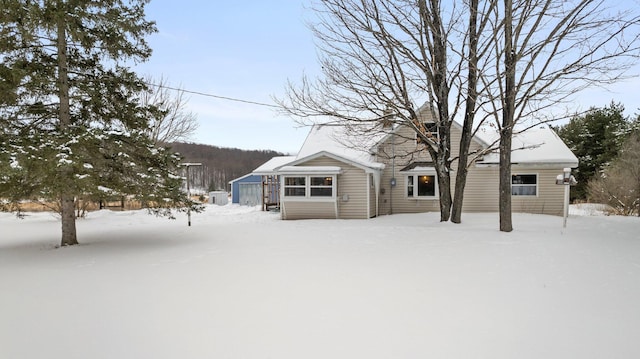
x: 214, y: 96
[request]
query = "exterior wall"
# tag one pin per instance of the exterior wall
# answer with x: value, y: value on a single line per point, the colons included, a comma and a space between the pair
x: 481, y: 192
x: 307, y: 210
x: 398, y: 151
x: 351, y: 195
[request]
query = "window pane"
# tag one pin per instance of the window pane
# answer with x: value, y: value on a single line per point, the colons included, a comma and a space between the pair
x: 294, y: 181
x: 321, y: 181
x: 523, y: 190
x: 426, y: 186
x: 294, y: 191
x: 410, y: 186
x: 524, y: 179
x: 430, y: 129
x: 524, y: 185
x: 321, y: 192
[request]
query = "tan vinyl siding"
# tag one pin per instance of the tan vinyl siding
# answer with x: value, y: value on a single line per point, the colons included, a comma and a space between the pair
x: 398, y: 151
x: 308, y: 210
x: 481, y: 193
x: 481, y: 190
x: 550, y: 195
x: 351, y: 195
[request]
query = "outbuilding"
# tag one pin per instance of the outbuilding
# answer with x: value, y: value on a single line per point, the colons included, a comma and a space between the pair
x: 219, y: 197
x: 246, y: 190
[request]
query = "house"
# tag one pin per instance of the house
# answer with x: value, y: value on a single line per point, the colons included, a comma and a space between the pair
x: 333, y: 177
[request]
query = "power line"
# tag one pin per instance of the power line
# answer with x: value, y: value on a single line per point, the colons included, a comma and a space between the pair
x: 214, y: 96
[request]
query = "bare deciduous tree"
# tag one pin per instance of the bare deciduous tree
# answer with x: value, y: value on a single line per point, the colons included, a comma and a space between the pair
x: 515, y: 62
x: 619, y: 184
x: 549, y: 51
x: 381, y: 60
x: 171, y: 121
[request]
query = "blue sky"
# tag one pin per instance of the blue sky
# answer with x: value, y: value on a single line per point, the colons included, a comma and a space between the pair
x: 244, y: 50
x: 247, y: 50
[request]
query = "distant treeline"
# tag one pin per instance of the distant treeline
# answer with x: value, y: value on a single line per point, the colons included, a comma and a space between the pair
x: 219, y: 165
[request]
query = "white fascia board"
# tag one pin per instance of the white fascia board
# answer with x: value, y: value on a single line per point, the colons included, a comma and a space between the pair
x: 368, y: 167
x: 294, y: 170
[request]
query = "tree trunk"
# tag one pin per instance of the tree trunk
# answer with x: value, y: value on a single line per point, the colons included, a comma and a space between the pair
x: 505, y: 180
x: 444, y: 191
x: 508, y: 113
x: 433, y: 22
x: 470, y: 107
x: 69, y: 236
x: 67, y: 208
x: 461, y: 176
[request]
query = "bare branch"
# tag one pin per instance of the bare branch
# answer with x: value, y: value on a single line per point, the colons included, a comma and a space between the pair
x: 171, y: 121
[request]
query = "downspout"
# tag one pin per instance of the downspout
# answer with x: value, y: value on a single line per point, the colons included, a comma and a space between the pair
x: 376, y: 185
x: 337, y: 198
x: 368, y: 192
x: 263, y: 184
x: 393, y: 170
x: 280, y: 189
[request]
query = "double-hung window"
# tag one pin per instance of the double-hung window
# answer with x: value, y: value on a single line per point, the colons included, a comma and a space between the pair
x: 295, y: 186
x: 524, y: 185
x: 321, y: 186
x: 309, y: 186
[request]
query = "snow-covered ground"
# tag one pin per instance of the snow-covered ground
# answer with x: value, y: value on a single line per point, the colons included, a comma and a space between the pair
x: 240, y: 283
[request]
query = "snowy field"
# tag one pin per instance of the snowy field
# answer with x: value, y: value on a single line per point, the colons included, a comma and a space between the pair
x: 242, y: 284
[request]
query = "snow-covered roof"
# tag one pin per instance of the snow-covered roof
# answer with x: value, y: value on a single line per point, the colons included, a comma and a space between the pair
x: 242, y: 177
x: 335, y: 140
x: 269, y: 167
x: 537, y: 145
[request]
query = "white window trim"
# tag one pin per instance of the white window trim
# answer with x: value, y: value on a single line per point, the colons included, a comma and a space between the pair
x: 415, y: 176
x: 526, y: 185
x: 308, y: 197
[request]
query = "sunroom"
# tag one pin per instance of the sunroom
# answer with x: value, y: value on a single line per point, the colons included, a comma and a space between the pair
x: 309, y: 191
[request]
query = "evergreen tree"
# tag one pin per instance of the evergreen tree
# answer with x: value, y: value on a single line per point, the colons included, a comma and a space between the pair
x: 71, y: 123
x: 595, y: 138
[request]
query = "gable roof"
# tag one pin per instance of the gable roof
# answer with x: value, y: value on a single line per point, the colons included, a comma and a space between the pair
x: 248, y: 175
x: 270, y: 167
x: 335, y: 141
x: 537, y: 145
